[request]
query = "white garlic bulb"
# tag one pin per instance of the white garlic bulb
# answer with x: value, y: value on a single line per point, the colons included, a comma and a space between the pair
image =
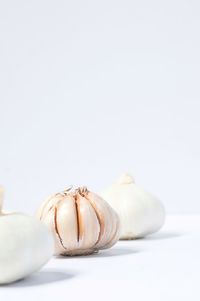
x: 1, y: 197
x: 81, y: 222
x: 25, y: 246
x: 140, y: 212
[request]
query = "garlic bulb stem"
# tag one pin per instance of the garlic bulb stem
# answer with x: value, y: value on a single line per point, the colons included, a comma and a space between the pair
x: 125, y: 179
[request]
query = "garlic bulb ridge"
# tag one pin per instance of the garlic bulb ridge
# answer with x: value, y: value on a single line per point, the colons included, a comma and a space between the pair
x: 81, y: 221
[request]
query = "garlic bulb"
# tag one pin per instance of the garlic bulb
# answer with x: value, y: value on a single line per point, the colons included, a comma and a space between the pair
x: 140, y: 213
x: 81, y: 222
x: 1, y: 197
x: 25, y: 246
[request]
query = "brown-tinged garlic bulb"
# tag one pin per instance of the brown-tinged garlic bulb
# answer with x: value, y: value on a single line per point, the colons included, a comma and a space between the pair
x: 81, y: 222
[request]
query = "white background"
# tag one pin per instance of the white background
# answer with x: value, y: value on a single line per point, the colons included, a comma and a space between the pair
x: 89, y: 89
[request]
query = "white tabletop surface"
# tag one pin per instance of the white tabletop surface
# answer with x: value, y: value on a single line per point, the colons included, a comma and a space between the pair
x: 162, y: 267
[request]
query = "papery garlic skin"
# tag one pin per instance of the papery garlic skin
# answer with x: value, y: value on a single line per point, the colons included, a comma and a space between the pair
x: 140, y: 212
x: 25, y: 246
x: 81, y: 222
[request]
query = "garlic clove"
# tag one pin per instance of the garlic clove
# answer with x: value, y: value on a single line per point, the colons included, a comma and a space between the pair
x: 108, y: 220
x: 115, y: 237
x: 51, y: 222
x: 88, y: 224
x: 47, y: 205
x: 67, y: 225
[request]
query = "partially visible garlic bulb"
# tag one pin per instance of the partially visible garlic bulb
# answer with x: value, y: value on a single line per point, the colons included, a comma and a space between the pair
x: 81, y: 222
x: 1, y: 197
x: 25, y: 246
x: 140, y: 212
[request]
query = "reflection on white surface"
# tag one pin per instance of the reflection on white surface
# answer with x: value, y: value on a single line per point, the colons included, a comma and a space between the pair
x: 163, y: 235
x: 47, y: 276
